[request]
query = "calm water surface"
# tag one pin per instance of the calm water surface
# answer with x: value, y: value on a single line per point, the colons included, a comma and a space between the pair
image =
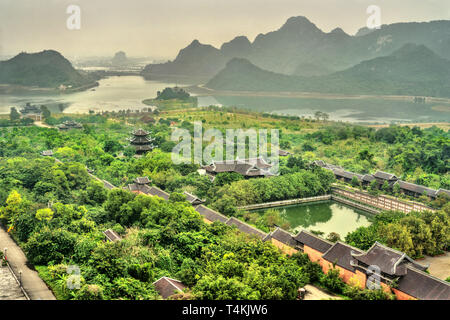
x: 327, y: 216
x: 364, y: 110
x: 113, y: 93
x: 127, y: 92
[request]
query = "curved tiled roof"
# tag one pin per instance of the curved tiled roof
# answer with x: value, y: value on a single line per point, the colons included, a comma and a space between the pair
x: 247, y: 167
x: 246, y: 228
x: 313, y: 241
x: 142, y: 180
x: 341, y: 254
x: 192, y: 199
x: 423, y: 286
x: 210, y: 214
x: 283, y: 236
x: 389, y: 261
x: 167, y: 286
x: 415, y: 188
x: 140, y: 132
x: 384, y: 175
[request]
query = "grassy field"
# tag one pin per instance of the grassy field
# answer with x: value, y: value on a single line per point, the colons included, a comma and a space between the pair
x: 242, y: 119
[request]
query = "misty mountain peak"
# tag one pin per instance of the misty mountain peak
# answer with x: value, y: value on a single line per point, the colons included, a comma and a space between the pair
x: 364, y: 31
x: 338, y: 31
x: 195, y: 43
x: 298, y: 23
x: 238, y: 47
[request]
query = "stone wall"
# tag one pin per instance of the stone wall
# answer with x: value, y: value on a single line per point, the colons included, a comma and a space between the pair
x: 381, y: 202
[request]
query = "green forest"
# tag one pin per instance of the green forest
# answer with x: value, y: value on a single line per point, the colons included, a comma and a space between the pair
x: 57, y: 212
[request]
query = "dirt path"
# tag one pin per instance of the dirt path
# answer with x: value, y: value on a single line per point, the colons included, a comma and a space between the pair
x: 439, y: 266
x: 31, y: 282
x: 42, y: 125
x: 314, y: 293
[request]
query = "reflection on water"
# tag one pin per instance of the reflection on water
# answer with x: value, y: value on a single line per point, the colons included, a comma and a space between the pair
x: 113, y: 93
x: 352, y: 110
x: 127, y: 92
x: 326, y: 216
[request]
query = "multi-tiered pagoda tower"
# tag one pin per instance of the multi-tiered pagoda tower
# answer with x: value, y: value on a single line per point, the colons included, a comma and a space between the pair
x: 141, y: 142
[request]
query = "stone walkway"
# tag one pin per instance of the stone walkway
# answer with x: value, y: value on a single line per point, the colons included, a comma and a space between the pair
x: 439, y: 265
x: 34, y: 286
x: 9, y: 288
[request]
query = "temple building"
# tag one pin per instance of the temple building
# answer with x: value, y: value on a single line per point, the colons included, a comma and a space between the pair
x: 69, y: 124
x: 47, y: 153
x: 249, y: 168
x: 141, y: 142
x: 111, y: 235
x: 31, y: 112
x: 193, y: 199
x: 381, y: 177
x: 141, y: 186
x: 167, y: 287
x: 209, y: 215
x: 398, y: 273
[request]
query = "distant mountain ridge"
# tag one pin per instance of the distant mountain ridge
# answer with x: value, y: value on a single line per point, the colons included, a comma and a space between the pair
x: 45, y: 69
x: 196, y: 60
x: 410, y: 70
x: 299, y: 47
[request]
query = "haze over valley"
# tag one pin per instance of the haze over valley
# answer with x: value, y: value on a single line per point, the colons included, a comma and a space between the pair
x: 294, y: 69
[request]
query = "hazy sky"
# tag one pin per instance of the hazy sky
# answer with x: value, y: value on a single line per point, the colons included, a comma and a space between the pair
x: 159, y: 28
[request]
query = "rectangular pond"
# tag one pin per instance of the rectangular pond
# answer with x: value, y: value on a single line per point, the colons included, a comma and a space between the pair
x: 324, y: 216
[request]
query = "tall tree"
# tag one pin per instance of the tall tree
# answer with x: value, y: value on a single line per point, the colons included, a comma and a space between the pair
x: 14, y: 115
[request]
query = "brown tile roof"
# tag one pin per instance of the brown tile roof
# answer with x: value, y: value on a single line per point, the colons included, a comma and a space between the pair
x: 210, y: 214
x: 168, y: 286
x: 368, y: 177
x: 111, y: 235
x: 140, y: 132
x: 283, y: 236
x: 385, y: 176
x: 389, y: 261
x: 132, y: 187
x: 415, y: 188
x: 192, y: 199
x: 108, y: 185
x: 313, y: 241
x: 247, y: 167
x: 340, y: 253
x: 347, y: 174
x: 423, y: 286
x: 142, y: 180
x: 143, y: 147
x: 154, y: 191
x: 246, y: 228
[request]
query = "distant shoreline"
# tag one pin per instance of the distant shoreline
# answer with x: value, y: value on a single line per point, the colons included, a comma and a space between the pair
x: 203, y: 91
x: 8, y: 89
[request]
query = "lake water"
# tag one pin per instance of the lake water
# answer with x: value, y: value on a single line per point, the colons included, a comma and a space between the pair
x: 364, y: 110
x: 127, y: 92
x: 328, y: 216
x: 113, y: 93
